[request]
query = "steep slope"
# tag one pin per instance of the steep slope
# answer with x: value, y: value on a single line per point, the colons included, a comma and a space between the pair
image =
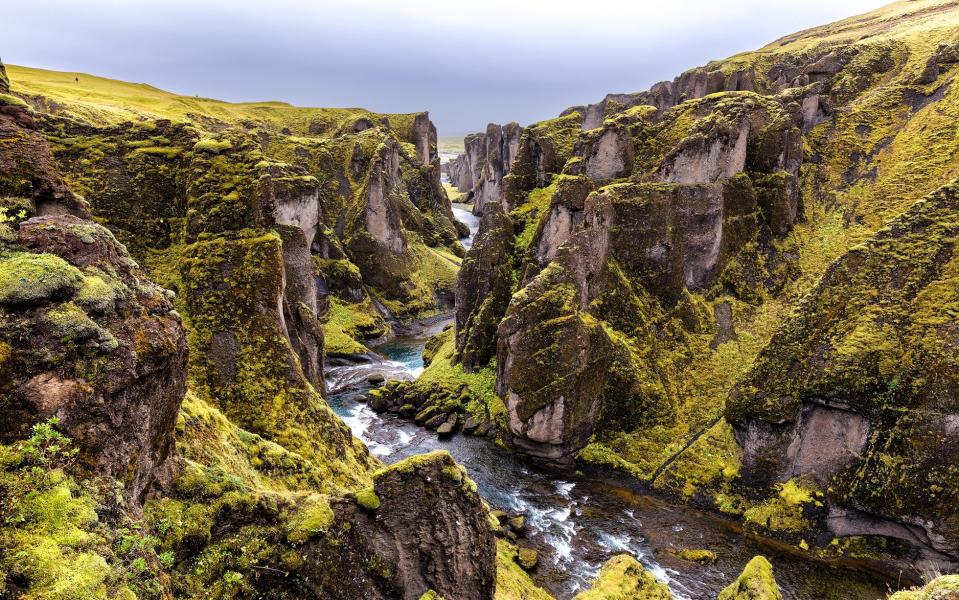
x: 376, y: 218
x: 653, y: 243
x: 253, y: 487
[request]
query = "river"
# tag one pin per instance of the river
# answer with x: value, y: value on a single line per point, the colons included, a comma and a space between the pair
x: 576, y: 523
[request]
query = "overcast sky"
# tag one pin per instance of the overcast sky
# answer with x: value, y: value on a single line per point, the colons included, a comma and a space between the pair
x: 468, y: 62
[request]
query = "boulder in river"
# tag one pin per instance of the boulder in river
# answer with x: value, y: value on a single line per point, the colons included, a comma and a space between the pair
x: 447, y: 429
x: 624, y: 577
x: 527, y: 558
x: 755, y: 583
x: 518, y: 524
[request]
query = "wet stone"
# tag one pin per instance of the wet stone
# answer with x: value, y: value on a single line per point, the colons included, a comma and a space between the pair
x: 448, y: 428
x: 435, y: 422
x: 471, y: 425
x: 527, y: 558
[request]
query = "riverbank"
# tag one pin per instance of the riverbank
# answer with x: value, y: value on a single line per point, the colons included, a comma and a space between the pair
x: 577, y: 522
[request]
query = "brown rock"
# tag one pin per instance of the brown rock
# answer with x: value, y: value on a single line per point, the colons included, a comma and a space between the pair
x: 430, y: 532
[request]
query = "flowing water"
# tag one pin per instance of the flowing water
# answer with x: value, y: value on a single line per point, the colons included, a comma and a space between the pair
x: 463, y: 213
x: 576, y: 523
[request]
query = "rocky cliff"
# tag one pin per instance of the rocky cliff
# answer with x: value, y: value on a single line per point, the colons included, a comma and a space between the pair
x: 86, y: 338
x: 487, y: 159
x: 854, y: 393
x: 364, y: 188
x: 128, y: 469
x: 658, y: 240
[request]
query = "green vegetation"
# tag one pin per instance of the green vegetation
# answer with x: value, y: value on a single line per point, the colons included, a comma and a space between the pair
x: 347, y: 323
x: 624, y: 577
x: 785, y: 512
x: 755, y: 583
x: 705, y: 557
x: 367, y: 499
x: 512, y: 582
x: 53, y: 544
x: 108, y: 102
x: 941, y: 587
x: 28, y: 278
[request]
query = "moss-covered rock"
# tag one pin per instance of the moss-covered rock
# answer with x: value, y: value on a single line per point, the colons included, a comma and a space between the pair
x: 864, y: 362
x: 623, y: 577
x: 30, y: 278
x: 426, y: 511
x: 945, y: 587
x: 512, y: 582
x: 755, y: 583
x: 108, y: 363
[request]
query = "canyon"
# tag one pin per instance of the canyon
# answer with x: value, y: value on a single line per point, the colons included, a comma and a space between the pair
x: 693, y: 342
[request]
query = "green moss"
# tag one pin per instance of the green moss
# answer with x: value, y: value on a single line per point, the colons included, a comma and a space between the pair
x: 347, y: 323
x: 942, y: 587
x: 312, y: 518
x: 367, y: 499
x: 624, y: 577
x: 705, y: 557
x: 528, y: 214
x: 212, y: 146
x: 786, y: 511
x: 755, y: 583
x: 52, y: 542
x: 444, y: 373
x: 99, y: 292
x: 512, y: 582
x: 29, y: 278
x: 8, y: 100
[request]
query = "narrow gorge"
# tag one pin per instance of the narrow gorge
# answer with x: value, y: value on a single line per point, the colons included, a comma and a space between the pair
x: 695, y: 342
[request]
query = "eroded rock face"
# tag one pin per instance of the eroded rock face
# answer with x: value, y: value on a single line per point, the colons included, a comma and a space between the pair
x: 855, y: 391
x: 86, y: 338
x: 487, y: 159
x: 692, y: 84
x: 606, y: 153
x: 663, y: 239
x: 382, y: 216
x: 542, y: 151
x: 708, y: 160
x: 483, y: 288
x: 423, y: 525
x: 26, y: 168
x: 566, y: 213
x: 300, y: 304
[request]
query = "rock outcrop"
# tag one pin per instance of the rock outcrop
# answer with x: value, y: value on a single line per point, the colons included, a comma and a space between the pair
x: 425, y: 527
x: 855, y: 391
x: 624, y: 577
x: 483, y: 287
x: 619, y: 247
x: 85, y: 337
x: 487, y: 159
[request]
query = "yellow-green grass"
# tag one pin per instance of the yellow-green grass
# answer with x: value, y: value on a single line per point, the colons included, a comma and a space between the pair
x: 104, y: 101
